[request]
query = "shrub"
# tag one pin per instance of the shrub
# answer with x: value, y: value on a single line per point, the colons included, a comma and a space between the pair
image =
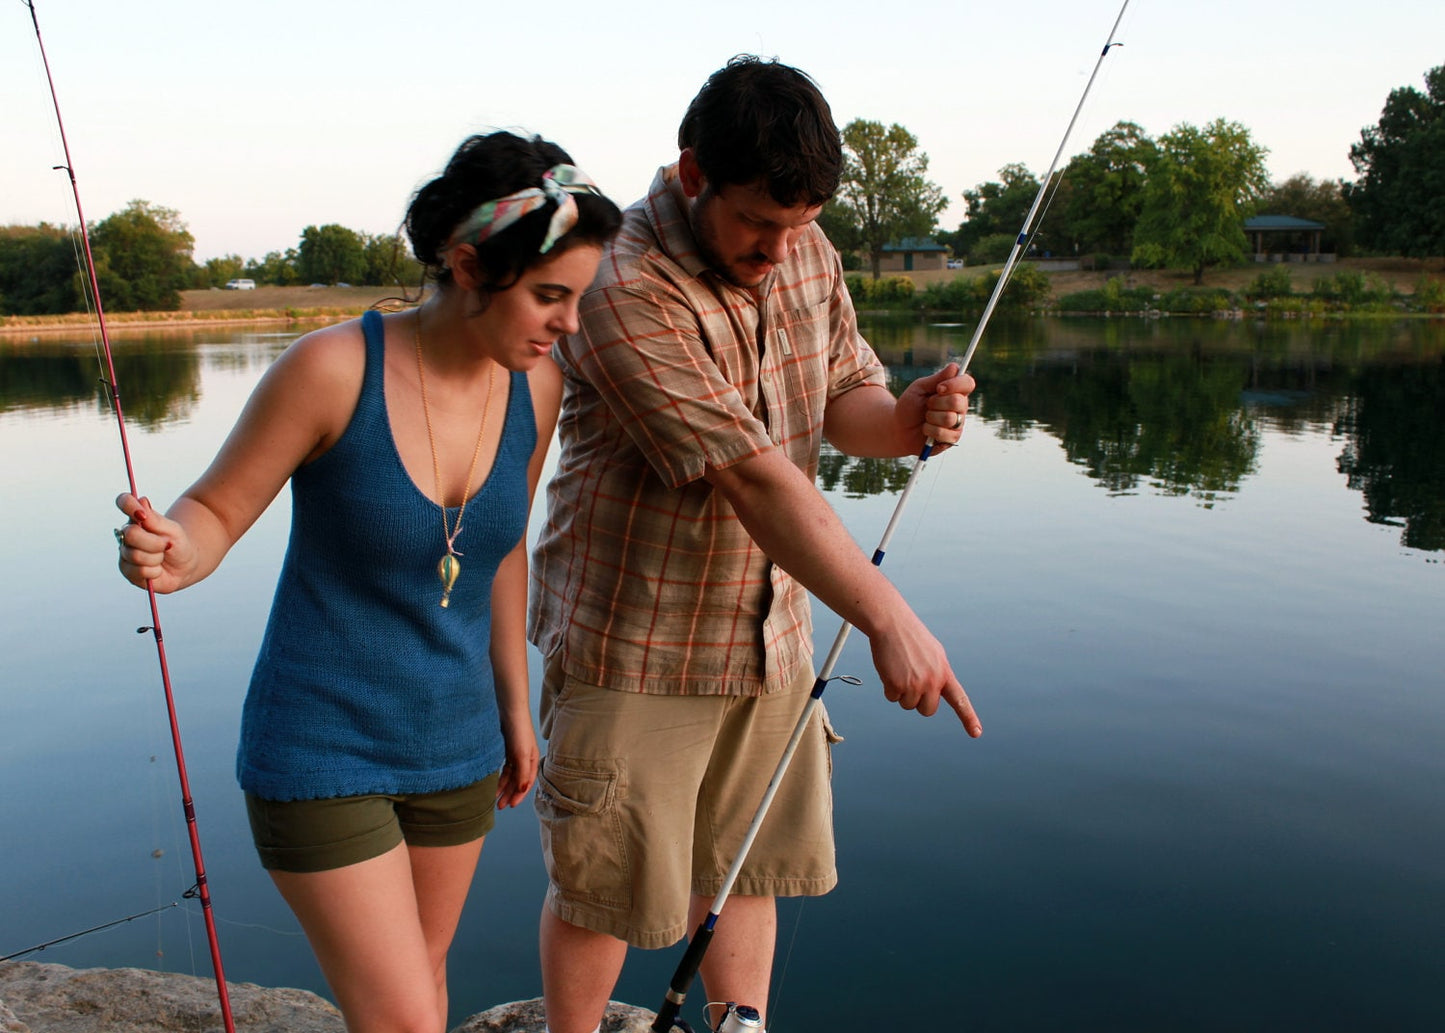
x: 957, y: 295
x: 1114, y: 296
x: 1351, y: 288
x: 1429, y: 295
x: 888, y: 290
x: 1084, y: 301
x: 1028, y: 288
x: 1274, y: 282
x: 891, y: 290
x: 1196, y: 300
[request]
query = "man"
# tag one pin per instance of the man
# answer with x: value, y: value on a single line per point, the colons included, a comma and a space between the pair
x: 718, y: 347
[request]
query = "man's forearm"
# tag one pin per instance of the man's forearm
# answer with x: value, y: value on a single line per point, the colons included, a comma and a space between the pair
x: 794, y: 525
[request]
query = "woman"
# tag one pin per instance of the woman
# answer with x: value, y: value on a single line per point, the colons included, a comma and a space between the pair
x: 388, y: 712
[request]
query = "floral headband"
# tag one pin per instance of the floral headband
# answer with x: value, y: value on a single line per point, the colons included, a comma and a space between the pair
x: 559, y: 183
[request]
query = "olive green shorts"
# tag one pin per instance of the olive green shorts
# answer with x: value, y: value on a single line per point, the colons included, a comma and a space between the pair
x: 645, y: 800
x: 318, y: 835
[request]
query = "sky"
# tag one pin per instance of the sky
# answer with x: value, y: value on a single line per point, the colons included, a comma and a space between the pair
x: 254, y: 120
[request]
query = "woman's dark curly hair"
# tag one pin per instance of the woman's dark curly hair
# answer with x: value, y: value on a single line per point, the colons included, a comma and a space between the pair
x: 485, y: 168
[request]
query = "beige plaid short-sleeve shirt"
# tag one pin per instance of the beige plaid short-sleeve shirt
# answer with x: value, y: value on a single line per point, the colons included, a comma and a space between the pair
x: 643, y: 575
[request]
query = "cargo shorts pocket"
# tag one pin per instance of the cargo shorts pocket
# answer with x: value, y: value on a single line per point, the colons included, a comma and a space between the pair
x: 831, y: 737
x: 582, y: 838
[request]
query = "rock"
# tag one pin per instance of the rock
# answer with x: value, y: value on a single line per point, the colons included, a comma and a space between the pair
x: 9, y: 1023
x: 527, y: 1017
x: 58, y: 999
x: 40, y: 998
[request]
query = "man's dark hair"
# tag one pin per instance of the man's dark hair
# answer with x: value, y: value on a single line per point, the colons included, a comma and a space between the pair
x: 757, y: 119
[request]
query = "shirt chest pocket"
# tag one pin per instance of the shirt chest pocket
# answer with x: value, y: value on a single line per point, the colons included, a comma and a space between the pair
x: 794, y: 376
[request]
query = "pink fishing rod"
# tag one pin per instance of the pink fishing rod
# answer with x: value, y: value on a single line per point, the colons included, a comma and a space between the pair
x: 201, y: 889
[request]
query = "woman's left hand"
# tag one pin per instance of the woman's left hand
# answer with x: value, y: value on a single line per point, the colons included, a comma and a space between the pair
x: 519, y: 771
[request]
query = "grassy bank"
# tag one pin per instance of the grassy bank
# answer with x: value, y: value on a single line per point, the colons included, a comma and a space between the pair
x: 264, y: 305
x: 1349, y: 288
x: 1401, y: 274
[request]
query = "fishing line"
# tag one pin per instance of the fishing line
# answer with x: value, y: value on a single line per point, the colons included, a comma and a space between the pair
x: 86, y: 932
x: 776, y: 1006
x: 668, y: 1015
x: 201, y: 888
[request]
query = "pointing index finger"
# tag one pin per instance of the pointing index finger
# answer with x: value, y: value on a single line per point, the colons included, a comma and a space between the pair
x: 958, y: 700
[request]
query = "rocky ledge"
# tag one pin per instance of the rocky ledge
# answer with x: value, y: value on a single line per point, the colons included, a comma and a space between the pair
x: 38, y: 998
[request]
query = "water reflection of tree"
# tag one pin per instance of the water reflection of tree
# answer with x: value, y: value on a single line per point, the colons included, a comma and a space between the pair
x: 45, y: 381
x: 1170, y: 419
x: 159, y: 381
x: 159, y: 386
x: 1182, y: 404
x: 861, y: 477
x: 1395, y: 449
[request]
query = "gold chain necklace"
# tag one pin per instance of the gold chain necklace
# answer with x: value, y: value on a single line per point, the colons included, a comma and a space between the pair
x: 449, y: 567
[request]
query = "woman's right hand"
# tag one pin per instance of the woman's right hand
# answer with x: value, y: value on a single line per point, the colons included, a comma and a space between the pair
x: 152, y: 548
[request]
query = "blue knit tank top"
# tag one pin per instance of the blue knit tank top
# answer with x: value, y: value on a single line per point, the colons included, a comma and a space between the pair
x: 364, y: 683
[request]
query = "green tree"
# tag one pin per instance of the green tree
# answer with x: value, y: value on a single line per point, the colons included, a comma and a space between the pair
x: 142, y: 258
x: 884, y: 186
x: 277, y: 268
x: 388, y: 261
x: 991, y: 248
x: 1102, y: 192
x: 994, y: 209
x: 1399, y: 200
x: 217, y: 272
x: 331, y: 254
x: 1303, y: 198
x: 1203, y: 184
x: 841, y: 227
x: 38, y: 271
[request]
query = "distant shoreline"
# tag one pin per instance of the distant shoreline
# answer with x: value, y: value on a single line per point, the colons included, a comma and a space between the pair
x: 289, y: 306
x: 263, y: 306
x: 133, y: 322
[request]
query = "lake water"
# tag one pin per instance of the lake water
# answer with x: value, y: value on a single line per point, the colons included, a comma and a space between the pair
x: 1190, y: 572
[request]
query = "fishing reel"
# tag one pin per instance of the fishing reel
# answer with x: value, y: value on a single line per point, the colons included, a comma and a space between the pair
x: 739, y: 1018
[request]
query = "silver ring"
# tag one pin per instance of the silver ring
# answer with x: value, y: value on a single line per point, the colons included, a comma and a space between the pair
x: 119, y: 533
x: 958, y: 421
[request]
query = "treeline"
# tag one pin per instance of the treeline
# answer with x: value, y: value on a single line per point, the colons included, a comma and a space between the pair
x: 143, y: 260
x: 330, y: 254
x: 1178, y: 201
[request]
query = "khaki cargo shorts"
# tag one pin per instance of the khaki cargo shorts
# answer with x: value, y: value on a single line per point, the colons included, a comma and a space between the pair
x: 645, y: 799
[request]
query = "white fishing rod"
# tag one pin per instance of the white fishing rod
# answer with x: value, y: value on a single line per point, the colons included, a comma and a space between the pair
x: 668, y: 1015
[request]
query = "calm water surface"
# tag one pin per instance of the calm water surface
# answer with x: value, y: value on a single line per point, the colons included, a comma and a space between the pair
x: 1189, y: 571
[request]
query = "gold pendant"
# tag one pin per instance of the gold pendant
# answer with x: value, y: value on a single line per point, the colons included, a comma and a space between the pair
x: 447, y: 569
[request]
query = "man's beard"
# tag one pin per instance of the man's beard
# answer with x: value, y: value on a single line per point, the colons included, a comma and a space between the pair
x: 706, y: 241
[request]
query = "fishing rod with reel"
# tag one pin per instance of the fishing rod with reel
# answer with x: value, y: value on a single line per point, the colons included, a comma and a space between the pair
x: 201, y: 888
x: 742, y: 1018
